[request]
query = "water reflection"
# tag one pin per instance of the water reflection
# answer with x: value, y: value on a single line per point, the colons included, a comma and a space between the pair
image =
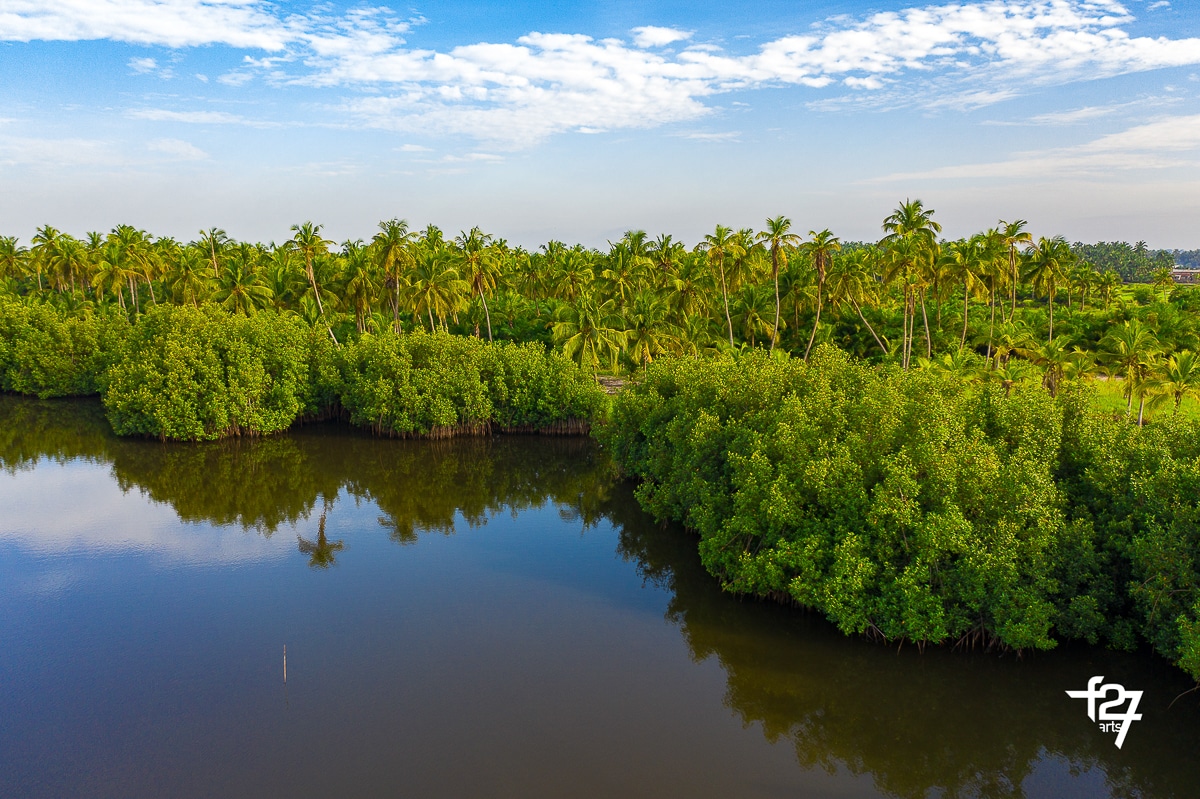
x: 937, y: 724
x: 265, y: 484
x: 322, y: 551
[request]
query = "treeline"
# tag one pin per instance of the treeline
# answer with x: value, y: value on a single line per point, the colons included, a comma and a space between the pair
x: 1135, y: 263
x: 918, y: 506
x: 193, y: 374
x: 911, y: 295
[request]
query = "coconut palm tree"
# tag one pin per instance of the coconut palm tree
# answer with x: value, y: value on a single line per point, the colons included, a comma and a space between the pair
x: 1164, y: 279
x: 590, y: 332
x: 852, y: 280
x: 821, y: 249
x: 479, y: 265
x: 437, y: 289
x: 393, y: 251
x: 1013, y: 235
x: 359, y: 283
x: 1131, y: 349
x: 721, y: 247
x: 308, y: 241
x: 1049, y: 262
x: 778, y: 238
x: 1180, y: 377
x: 240, y: 289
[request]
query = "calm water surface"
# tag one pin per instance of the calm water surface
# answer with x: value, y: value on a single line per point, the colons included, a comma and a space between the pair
x: 478, y: 618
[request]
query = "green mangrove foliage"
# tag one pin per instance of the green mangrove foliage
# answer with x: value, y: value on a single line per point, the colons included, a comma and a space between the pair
x: 201, y: 373
x: 439, y: 384
x: 918, y: 506
x: 47, y: 353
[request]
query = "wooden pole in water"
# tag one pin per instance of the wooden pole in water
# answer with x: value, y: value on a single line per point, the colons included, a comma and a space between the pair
x: 285, y: 664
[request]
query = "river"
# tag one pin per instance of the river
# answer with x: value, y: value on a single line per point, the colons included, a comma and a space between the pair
x: 474, y: 618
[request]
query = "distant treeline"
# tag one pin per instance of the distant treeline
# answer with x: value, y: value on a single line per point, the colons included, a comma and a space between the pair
x: 909, y: 295
x: 1135, y: 263
x: 913, y: 505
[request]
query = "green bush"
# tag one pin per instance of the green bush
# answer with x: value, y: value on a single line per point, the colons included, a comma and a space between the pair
x: 920, y: 506
x: 201, y: 374
x: 48, y: 353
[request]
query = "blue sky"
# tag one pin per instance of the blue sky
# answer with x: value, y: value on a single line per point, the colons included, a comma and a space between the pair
x: 578, y: 121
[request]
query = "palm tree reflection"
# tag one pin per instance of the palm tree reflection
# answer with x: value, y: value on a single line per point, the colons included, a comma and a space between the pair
x: 320, y: 552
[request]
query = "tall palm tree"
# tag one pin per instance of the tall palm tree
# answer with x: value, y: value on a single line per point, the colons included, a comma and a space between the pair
x: 1180, y: 377
x: 1013, y: 235
x: 437, y: 289
x: 309, y: 243
x: 214, y: 241
x: 479, y: 266
x: 240, y: 289
x: 1049, y: 262
x: 359, y: 284
x: 778, y: 237
x: 852, y: 280
x: 820, y: 249
x: 911, y: 233
x: 722, y: 246
x: 393, y: 248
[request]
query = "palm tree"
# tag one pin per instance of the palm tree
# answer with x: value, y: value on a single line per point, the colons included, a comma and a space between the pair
x: 309, y: 243
x: 11, y: 256
x: 852, y: 280
x: 359, y: 285
x: 1012, y: 235
x: 649, y: 334
x: 479, y: 267
x: 240, y: 289
x: 1180, y: 377
x: 1107, y: 286
x: 911, y: 235
x: 777, y: 238
x: 214, y: 241
x: 437, y: 289
x: 821, y: 249
x: 1131, y: 349
x: 1164, y: 279
x: 187, y: 280
x: 590, y: 331
x: 722, y: 245
x: 1049, y: 261
x: 44, y: 250
x: 393, y: 248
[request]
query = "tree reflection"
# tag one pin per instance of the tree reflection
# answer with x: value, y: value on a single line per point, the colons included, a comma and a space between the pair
x: 320, y: 552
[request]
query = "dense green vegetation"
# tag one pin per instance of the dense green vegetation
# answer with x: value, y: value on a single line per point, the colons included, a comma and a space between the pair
x: 919, y: 506
x: 907, y: 435
x: 1016, y: 300
x: 194, y: 374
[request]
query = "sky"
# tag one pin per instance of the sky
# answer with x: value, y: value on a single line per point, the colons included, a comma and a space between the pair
x: 578, y: 121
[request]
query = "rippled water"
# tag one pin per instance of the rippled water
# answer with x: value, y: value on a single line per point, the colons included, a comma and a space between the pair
x: 473, y: 618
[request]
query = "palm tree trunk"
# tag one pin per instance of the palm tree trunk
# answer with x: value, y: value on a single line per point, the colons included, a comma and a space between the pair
x: 992, y: 323
x: 925, y: 319
x: 775, y: 330
x: 1051, y: 312
x: 487, y: 314
x: 816, y: 323
x: 858, y: 308
x: 725, y: 297
x: 966, y: 312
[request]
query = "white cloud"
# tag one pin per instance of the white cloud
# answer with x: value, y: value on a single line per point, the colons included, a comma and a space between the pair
x: 178, y: 149
x: 412, y: 148
x: 197, y: 117
x: 1159, y: 4
x: 651, y: 36
x: 732, y: 135
x: 1168, y: 143
x: 143, y: 66
x: 956, y: 56
x: 172, y: 23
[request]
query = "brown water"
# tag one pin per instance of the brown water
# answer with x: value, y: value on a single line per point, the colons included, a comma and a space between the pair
x: 473, y: 618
